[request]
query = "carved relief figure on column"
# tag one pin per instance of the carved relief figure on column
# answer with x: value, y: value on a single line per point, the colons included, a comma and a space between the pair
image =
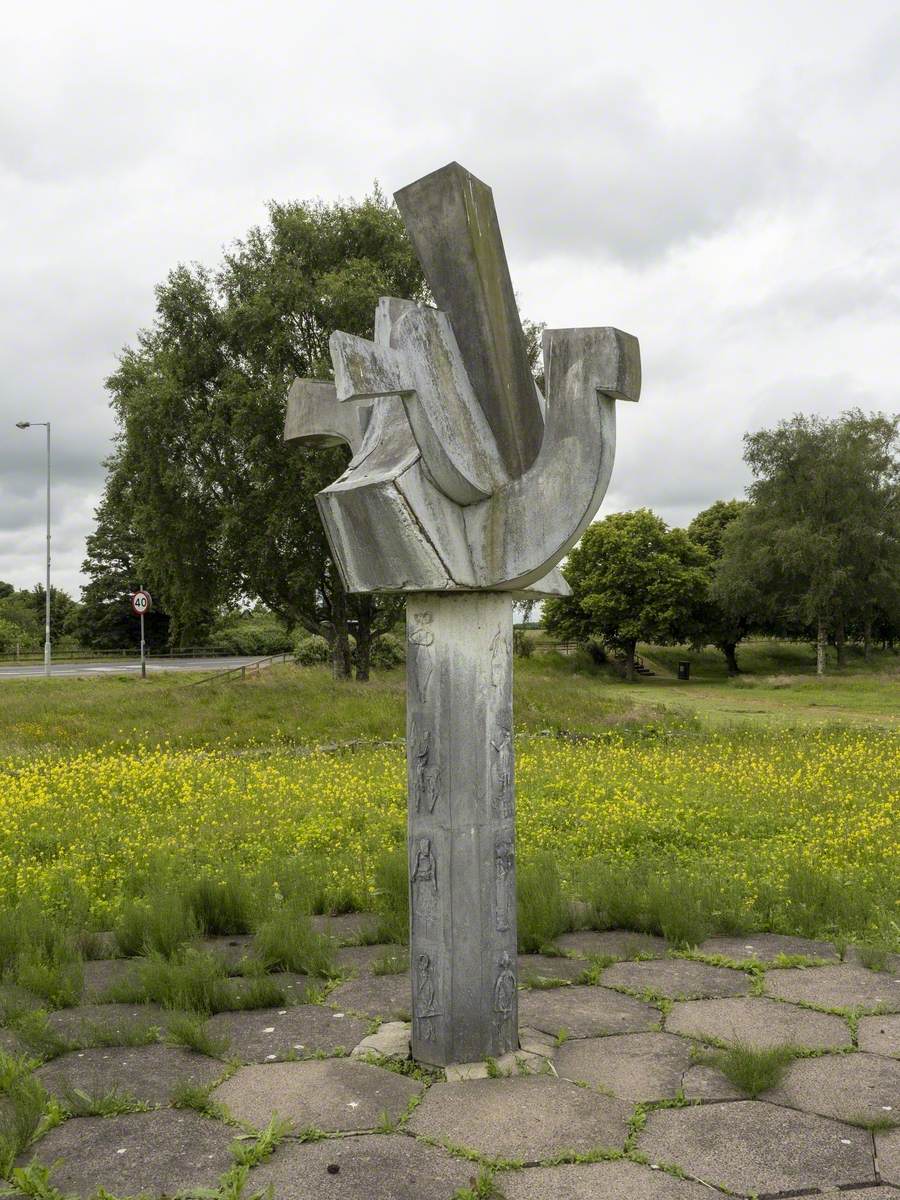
x: 425, y: 888
x: 426, y: 1004
x: 499, y: 658
x: 425, y: 778
x: 504, y: 988
x: 503, y: 866
x: 502, y: 774
x: 422, y: 639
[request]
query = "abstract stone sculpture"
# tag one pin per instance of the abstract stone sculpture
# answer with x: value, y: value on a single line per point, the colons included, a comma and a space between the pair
x: 464, y: 491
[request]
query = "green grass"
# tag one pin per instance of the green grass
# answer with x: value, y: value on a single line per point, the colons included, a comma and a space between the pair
x: 193, y: 1033
x: 543, y: 910
x: 286, y: 941
x: 752, y: 1071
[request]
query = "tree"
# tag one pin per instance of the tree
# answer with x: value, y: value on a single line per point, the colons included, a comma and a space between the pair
x: 633, y: 579
x: 728, y: 616
x: 819, y: 546
x: 223, y: 510
x: 115, y: 568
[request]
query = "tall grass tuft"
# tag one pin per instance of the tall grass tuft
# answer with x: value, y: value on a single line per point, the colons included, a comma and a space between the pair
x: 222, y: 906
x: 392, y: 897
x: 751, y: 1070
x: 286, y: 941
x: 543, y: 910
x: 22, y: 1100
x: 160, y: 923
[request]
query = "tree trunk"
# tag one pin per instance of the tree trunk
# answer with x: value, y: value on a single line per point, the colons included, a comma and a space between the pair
x: 363, y: 650
x: 729, y: 649
x: 867, y: 639
x: 840, y: 642
x: 821, y: 642
x: 630, y: 648
x: 341, y: 658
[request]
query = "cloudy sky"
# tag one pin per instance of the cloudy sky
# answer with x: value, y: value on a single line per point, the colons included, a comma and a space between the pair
x: 720, y: 179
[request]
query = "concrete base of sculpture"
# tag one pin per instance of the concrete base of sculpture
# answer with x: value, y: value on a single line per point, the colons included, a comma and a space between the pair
x: 461, y: 827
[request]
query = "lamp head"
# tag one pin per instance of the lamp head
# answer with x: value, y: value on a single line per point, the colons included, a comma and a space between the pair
x: 23, y: 424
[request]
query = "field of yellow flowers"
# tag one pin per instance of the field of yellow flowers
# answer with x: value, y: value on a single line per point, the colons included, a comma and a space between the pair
x: 759, y: 811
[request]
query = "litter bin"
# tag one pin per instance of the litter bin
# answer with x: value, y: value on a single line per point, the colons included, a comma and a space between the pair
x: 684, y: 669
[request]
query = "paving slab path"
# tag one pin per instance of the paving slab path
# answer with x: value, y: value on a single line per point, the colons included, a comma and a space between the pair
x: 617, y: 1070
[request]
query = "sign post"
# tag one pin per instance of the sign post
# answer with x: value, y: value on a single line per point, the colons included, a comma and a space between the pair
x: 141, y: 602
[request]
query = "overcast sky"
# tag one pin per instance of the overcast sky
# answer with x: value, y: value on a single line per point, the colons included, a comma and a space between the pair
x: 720, y: 179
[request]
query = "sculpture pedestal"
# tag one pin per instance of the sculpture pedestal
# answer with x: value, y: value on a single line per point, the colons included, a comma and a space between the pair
x: 461, y: 826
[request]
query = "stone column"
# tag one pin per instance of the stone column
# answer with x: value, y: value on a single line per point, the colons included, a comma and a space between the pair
x: 461, y: 826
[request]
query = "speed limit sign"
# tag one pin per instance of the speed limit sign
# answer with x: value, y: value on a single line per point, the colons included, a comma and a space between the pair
x: 141, y: 602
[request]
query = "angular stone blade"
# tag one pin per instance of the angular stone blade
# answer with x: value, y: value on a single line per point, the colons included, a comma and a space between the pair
x: 451, y: 219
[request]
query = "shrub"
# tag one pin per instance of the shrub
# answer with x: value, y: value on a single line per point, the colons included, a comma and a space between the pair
x: 311, y: 650
x: 388, y: 652
x: 523, y: 646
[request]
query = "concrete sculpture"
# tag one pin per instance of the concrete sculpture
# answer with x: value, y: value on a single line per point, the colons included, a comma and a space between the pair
x: 465, y: 490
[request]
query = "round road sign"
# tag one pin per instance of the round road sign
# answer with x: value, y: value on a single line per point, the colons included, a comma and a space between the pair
x: 140, y: 602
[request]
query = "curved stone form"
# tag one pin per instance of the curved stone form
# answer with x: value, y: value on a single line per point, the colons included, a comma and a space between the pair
x: 463, y: 478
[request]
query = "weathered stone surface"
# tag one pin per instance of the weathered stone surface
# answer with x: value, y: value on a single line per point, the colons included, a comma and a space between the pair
x: 887, y: 1151
x: 843, y: 986
x: 516, y: 1062
x: 632, y: 1066
x: 766, y: 947
x: 385, y: 996
x: 758, y: 1022
x: 527, y: 1118
x: 706, y: 1083
x: 232, y: 948
x: 390, y: 1040
x: 359, y: 960
x: 149, y: 1073
x: 543, y: 966
x: 294, y: 986
x: 347, y: 927
x: 597, y: 1181
x: 330, y: 1094
x: 613, y: 943
x: 104, y: 973
x: 880, y: 1034
x: 79, y: 1025
x: 586, y: 1012
x: 677, y: 978
x: 10, y: 1044
x: 153, y: 1153
x: 848, y: 1087
x: 273, y: 1034
x: 384, y: 1167
x: 750, y: 1147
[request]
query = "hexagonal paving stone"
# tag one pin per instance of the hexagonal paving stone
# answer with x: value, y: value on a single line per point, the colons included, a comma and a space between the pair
x: 384, y: 1167
x: 293, y: 986
x: 750, y: 1146
x: 585, y: 1012
x: 154, y: 1152
x: 612, y: 943
x: 543, y: 966
x: 758, y: 1022
x: 271, y: 1034
x: 149, y: 1073
x: 104, y: 973
x: 597, y: 1181
x: 766, y: 947
x: 525, y: 1117
x: 702, y: 1082
x: 841, y: 986
x: 348, y: 927
x: 887, y: 1151
x: 880, y: 1035
x: 332, y: 1094
x: 677, y: 978
x: 361, y: 959
x: 231, y: 948
x: 848, y: 1087
x: 385, y: 996
x: 632, y: 1066
x: 79, y: 1025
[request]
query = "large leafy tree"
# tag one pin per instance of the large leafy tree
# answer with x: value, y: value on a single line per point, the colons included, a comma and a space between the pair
x: 728, y: 616
x: 222, y: 509
x: 819, y: 546
x: 633, y: 579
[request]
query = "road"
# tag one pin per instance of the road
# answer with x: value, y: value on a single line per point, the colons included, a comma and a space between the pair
x: 123, y: 666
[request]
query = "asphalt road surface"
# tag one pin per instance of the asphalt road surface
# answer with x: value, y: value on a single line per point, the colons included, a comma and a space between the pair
x: 120, y: 666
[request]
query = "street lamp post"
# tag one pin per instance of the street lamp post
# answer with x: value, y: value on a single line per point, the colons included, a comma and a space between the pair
x: 46, y: 424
